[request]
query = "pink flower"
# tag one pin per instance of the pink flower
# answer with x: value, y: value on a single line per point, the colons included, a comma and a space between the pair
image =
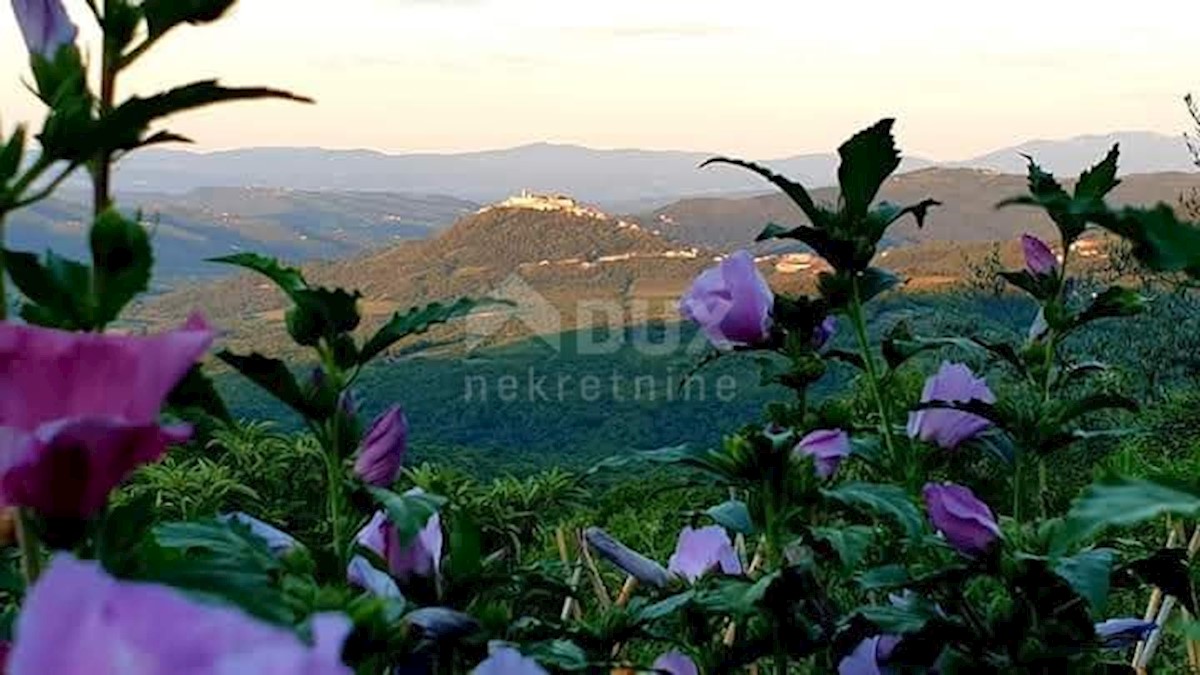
x: 965, y: 520
x: 1040, y: 261
x: 79, y: 411
x: 44, y: 25
x: 421, y: 557
x: 731, y: 303
x: 949, y: 428
x: 77, y: 620
x: 381, y: 453
x: 700, y: 551
x: 827, y: 447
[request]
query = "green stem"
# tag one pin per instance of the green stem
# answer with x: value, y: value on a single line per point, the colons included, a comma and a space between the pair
x: 858, y: 319
x: 31, y: 548
x: 1017, y: 479
x: 102, y: 166
x: 333, y: 472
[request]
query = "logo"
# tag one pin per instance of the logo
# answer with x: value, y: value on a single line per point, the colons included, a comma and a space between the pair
x: 517, y: 304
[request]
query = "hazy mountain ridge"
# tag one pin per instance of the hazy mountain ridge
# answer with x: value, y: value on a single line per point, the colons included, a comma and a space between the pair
x: 613, y: 178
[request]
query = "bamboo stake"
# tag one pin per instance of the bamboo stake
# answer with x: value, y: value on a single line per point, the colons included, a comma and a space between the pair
x: 569, y: 605
x: 627, y: 589
x: 1156, y: 597
x: 1164, y: 612
x: 594, y: 574
x: 760, y: 558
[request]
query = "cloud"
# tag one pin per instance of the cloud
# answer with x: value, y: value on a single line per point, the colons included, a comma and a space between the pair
x: 659, y: 31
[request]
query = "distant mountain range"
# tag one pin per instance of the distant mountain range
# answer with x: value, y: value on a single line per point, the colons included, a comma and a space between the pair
x: 210, y: 222
x: 619, y: 180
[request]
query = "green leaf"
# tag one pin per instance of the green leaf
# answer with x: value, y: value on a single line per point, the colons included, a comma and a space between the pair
x: 465, y: 555
x: 1089, y: 573
x: 121, y: 262
x: 125, y: 127
x: 850, y: 542
x: 798, y: 194
x: 560, y: 655
x: 322, y: 313
x: 1121, y: 502
x: 738, y: 597
x: 196, y: 391
x: 889, y: 500
x: 837, y: 252
x: 1113, y: 302
x: 408, y: 512
x: 1099, y: 180
x: 289, y: 279
x: 1068, y: 411
x: 274, y: 377
x: 732, y: 515
x: 664, y: 608
x: 58, y: 288
x: 418, y: 320
x: 1160, y: 240
x: 900, y: 345
x: 882, y: 578
x: 838, y: 287
x: 10, y: 156
x: 910, y: 617
x: 216, y: 560
x: 163, y: 15
x: 868, y: 158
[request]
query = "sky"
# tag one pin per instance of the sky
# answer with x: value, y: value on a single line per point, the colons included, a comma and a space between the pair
x: 759, y: 78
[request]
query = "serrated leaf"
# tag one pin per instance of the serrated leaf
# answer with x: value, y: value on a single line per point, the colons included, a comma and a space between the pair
x: 407, y: 512
x: 795, y: 191
x: 560, y: 655
x: 1099, y: 180
x: 197, y: 391
x: 1161, y: 241
x: 58, y: 287
x: 900, y: 619
x: 322, y: 313
x: 121, y: 264
x: 274, y: 377
x: 1112, y: 303
x: 889, y: 500
x: 868, y: 158
x: 163, y: 15
x: 1122, y: 502
x: 666, y: 607
x: 732, y: 515
x: 289, y: 279
x: 1089, y: 573
x: 838, y: 288
x: 125, y: 127
x: 882, y: 578
x: 11, y: 153
x: 416, y: 321
x: 1069, y: 411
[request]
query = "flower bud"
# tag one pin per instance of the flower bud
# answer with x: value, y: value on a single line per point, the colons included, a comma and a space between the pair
x: 381, y: 453
x: 44, y: 25
x: 629, y: 561
x: 1040, y: 261
x: 966, y: 522
x: 827, y: 447
x: 731, y: 303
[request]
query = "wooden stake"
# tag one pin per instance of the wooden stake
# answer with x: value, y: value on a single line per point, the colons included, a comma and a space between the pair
x: 627, y: 589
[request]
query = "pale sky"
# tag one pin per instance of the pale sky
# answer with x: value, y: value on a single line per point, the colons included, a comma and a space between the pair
x: 761, y: 78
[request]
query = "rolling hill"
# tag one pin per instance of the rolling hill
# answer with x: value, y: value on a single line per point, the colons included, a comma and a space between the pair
x: 209, y: 222
x: 968, y: 213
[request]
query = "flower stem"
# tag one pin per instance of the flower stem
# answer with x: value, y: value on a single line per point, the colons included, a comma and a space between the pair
x: 858, y: 319
x: 31, y: 548
x: 333, y: 471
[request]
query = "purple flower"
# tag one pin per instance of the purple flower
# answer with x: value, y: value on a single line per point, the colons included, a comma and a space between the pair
x: 277, y: 541
x: 731, y: 303
x: 361, y: 573
x: 824, y: 333
x: 629, y: 561
x: 827, y: 447
x: 508, y: 661
x: 45, y: 26
x: 421, y: 557
x: 77, y: 620
x: 676, y: 663
x: 953, y: 383
x: 1122, y: 633
x: 1040, y: 261
x: 966, y: 522
x: 79, y: 411
x: 869, y: 657
x: 700, y: 551
x: 381, y: 453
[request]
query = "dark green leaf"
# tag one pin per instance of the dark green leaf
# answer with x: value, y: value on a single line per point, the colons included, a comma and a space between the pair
x: 289, y: 279
x: 1167, y: 569
x: 198, y: 392
x: 732, y: 515
x: 465, y: 548
x: 888, y: 500
x: 1160, y: 240
x: 838, y: 288
x: 1089, y: 574
x: 844, y: 356
x: 738, y: 597
x: 60, y: 289
x: 560, y: 655
x: 666, y: 607
x: 121, y: 263
x: 408, y: 512
x: 817, y: 216
x: 11, y: 153
x: 868, y: 158
x: 1113, y: 302
x: 322, y: 313
x: 274, y: 377
x: 417, y: 320
x: 908, y: 618
x: 163, y: 15
x: 125, y: 127
x: 900, y: 345
x: 1069, y: 411
x: 850, y: 542
x: 1099, y: 180
x: 883, y: 578
x: 1124, y: 501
